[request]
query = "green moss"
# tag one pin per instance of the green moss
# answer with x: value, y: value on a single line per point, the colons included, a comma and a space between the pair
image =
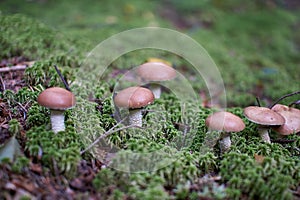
x: 136, y: 186
x: 37, y: 116
x: 176, y: 176
x: 14, y: 126
x: 26, y: 37
x: 266, y: 180
x: 43, y: 72
x: 20, y: 164
x: 57, y: 151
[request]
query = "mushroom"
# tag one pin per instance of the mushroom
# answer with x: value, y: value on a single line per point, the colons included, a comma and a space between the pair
x: 265, y: 118
x: 226, y: 123
x: 292, y: 119
x: 134, y: 98
x: 57, y: 100
x: 156, y: 72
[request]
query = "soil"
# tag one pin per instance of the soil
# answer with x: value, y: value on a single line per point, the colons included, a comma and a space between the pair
x: 34, y: 182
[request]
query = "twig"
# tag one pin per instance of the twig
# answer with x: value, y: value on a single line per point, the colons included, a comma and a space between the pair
x: 258, y: 102
x: 107, y: 133
x: 296, y: 148
x: 295, y: 193
x: 12, y: 68
x: 56, y: 172
x: 2, y: 84
x: 282, y: 141
x: 62, y: 78
x: 283, y: 97
x: 294, y: 103
x: 24, y: 109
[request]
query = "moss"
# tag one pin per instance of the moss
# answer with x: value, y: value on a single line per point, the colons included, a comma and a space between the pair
x: 135, y: 186
x: 26, y: 37
x: 20, y: 164
x: 59, y: 151
x: 242, y: 172
x: 152, y: 190
x: 37, y: 116
x: 43, y: 73
x: 175, y: 176
x: 14, y: 126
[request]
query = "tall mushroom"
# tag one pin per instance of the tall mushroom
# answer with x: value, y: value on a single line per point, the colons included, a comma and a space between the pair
x: 155, y: 72
x: 265, y: 118
x: 226, y: 123
x: 134, y: 98
x: 57, y: 100
x: 292, y: 119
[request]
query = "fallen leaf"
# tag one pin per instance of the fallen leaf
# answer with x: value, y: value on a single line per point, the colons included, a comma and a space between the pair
x: 10, y: 150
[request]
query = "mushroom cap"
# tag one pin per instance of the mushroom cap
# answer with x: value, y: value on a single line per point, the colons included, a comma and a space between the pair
x: 56, y: 98
x: 263, y: 116
x: 134, y: 97
x: 224, y: 121
x: 156, y: 71
x: 292, y: 119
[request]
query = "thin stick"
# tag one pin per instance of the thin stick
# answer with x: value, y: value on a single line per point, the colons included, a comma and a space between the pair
x: 283, y: 97
x: 24, y: 109
x: 294, y: 103
x: 2, y: 84
x: 12, y: 68
x: 258, y: 101
x: 283, y: 141
x: 107, y: 133
x: 56, y: 172
x: 62, y: 78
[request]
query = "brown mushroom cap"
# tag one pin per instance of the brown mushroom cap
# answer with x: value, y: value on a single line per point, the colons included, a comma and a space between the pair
x: 263, y: 116
x: 224, y: 121
x: 57, y: 98
x: 156, y: 71
x: 292, y: 119
x: 134, y: 97
x: 279, y: 108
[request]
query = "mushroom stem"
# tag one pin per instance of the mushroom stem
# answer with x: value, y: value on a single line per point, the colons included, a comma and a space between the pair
x: 225, y: 142
x: 135, y: 117
x: 156, y: 90
x: 264, y: 134
x: 57, y: 120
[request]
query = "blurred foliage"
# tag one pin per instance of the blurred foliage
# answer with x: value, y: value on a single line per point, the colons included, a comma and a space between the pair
x: 33, y: 40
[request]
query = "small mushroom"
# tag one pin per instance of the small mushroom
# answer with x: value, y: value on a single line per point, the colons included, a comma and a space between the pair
x: 292, y: 119
x: 155, y: 72
x: 265, y: 118
x: 57, y: 100
x: 134, y: 98
x: 227, y: 123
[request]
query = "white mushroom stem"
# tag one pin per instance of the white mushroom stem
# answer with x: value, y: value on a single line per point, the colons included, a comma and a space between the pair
x: 135, y: 117
x: 264, y: 134
x: 156, y: 90
x: 57, y: 120
x: 225, y: 142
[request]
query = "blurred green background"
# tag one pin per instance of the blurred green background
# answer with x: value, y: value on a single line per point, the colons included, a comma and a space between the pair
x: 255, y: 44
